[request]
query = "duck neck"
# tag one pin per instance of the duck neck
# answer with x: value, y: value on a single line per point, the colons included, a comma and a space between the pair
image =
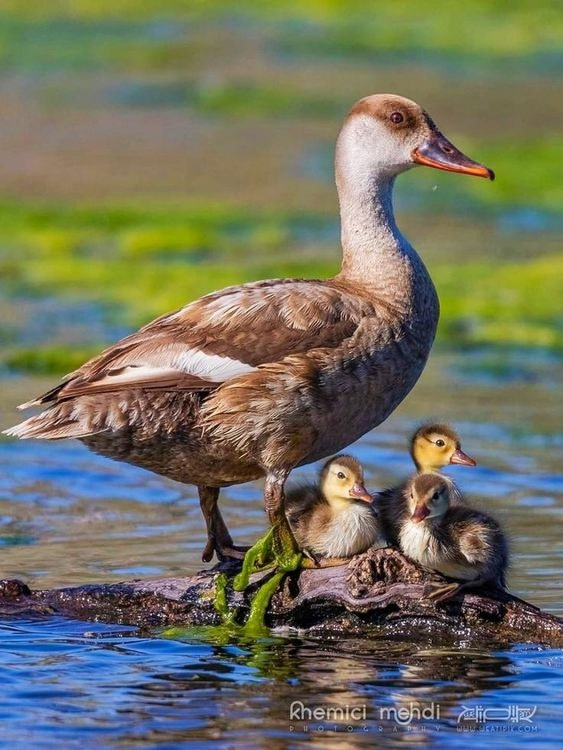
x: 374, y: 250
x: 337, y: 504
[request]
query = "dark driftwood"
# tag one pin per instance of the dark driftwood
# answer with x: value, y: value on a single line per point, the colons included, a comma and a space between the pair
x: 377, y: 592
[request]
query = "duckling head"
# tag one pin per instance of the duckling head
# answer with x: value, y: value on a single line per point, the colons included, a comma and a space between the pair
x: 342, y: 481
x: 433, y: 446
x: 386, y: 134
x: 428, y: 497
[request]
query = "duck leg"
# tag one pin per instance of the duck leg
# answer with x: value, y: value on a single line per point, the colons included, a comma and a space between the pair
x: 277, y: 548
x: 219, y: 541
x: 445, y: 591
x: 442, y: 592
x: 287, y: 556
x: 325, y: 562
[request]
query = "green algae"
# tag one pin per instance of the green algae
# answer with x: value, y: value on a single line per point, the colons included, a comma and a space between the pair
x: 482, y: 303
x: 48, y: 360
x: 220, y: 602
x: 246, y: 99
x: 264, y: 555
x: 276, y: 549
x: 491, y: 29
x: 258, y: 557
x: 255, y: 625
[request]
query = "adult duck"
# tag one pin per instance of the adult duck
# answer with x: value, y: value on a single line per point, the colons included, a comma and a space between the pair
x: 256, y: 379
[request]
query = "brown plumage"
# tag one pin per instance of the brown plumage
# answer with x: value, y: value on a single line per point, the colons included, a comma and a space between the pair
x: 334, y: 518
x: 457, y: 541
x: 258, y: 378
x: 432, y: 446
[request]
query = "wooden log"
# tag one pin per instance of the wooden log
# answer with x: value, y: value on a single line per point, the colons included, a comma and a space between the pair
x: 378, y: 593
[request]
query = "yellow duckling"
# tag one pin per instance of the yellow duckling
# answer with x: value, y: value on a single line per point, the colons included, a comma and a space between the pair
x: 432, y: 446
x: 455, y: 540
x: 335, y: 518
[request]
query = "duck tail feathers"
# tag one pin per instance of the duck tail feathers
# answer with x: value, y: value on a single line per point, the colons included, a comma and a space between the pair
x: 54, y: 424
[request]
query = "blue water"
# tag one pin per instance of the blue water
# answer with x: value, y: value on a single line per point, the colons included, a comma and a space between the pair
x: 69, y: 517
x: 95, y: 685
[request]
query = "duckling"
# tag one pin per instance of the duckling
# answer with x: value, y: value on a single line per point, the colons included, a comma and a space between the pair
x: 335, y: 518
x: 455, y: 540
x: 432, y: 446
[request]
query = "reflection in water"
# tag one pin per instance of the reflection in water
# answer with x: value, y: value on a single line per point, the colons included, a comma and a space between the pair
x: 158, y: 691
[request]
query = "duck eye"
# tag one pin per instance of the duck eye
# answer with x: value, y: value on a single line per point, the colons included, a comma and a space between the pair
x: 396, y: 118
x: 341, y: 475
x: 436, y: 496
x: 440, y: 443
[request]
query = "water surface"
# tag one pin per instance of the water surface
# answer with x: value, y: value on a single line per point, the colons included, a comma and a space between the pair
x: 69, y: 517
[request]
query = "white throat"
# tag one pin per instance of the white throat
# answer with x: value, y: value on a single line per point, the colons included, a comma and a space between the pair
x: 351, y: 531
x: 373, y: 247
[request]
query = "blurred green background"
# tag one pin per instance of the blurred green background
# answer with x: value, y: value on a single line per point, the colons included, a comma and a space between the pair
x: 154, y: 151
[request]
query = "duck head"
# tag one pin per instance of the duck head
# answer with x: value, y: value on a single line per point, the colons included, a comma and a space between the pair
x: 388, y: 134
x: 428, y: 496
x: 342, y: 481
x: 433, y: 446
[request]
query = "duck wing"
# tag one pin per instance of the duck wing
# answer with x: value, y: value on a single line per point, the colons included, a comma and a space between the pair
x: 307, y: 512
x: 220, y: 337
x: 481, y: 541
x: 300, y: 500
x: 391, y: 505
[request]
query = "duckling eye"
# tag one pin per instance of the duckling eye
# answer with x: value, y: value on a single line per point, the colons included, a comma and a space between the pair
x: 396, y: 118
x: 440, y: 443
x: 341, y: 475
x: 436, y: 496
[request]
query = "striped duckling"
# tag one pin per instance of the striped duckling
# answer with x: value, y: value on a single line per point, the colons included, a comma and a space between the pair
x: 461, y: 543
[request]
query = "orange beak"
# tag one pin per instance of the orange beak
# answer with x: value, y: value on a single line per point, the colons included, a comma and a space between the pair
x: 359, y: 491
x: 459, y: 457
x: 420, y: 513
x: 439, y: 153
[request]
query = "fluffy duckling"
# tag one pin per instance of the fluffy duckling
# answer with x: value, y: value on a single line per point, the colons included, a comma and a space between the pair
x: 455, y: 540
x: 334, y: 518
x: 432, y: 446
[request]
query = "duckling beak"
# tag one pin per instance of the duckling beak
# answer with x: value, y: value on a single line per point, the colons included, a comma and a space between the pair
x: 439, y: 153
x: 359, y: 491
x: 459, y: 457
x: 420, y: 513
